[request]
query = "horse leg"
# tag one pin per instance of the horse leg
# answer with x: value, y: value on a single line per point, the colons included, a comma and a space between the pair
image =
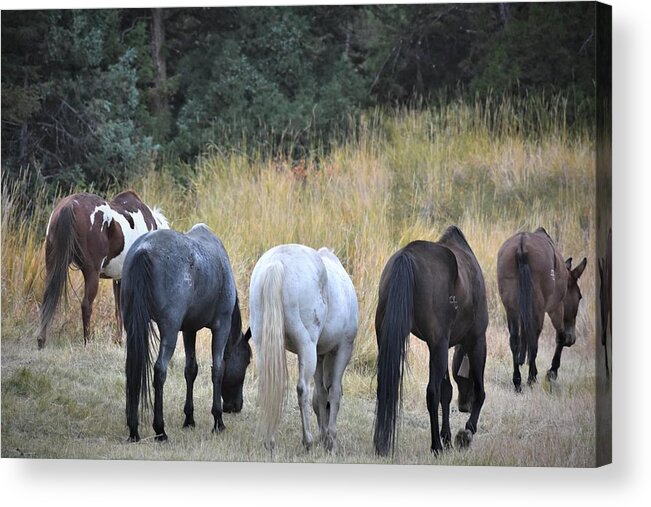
x: 219, y: 338
x: 118, y: 315
x: 446, y: 399
x: 461, y: 375
x: 552, y: 374
x: 334, y: 367
x: 91, y: 284
x: 306, y: 369
x: 533, y: 352
x: 477, y: 358
x: 167, y: 346
x: 319, y: 398
x: 191, y: 369
x: 514, y: 338
x: 438, y: 366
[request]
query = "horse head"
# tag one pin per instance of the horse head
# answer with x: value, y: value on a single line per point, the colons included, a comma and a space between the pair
x: 571, y: 301
x: 237, y: 358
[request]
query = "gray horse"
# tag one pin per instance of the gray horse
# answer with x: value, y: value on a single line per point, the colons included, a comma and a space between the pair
x: 182, y: 282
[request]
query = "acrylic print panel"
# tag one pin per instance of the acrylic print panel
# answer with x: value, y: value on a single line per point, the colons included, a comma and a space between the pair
x: 445, y: 168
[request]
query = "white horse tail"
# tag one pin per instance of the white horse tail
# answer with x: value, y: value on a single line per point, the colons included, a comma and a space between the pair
x: 272, y: 382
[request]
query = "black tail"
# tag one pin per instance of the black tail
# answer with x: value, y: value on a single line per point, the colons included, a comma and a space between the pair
x: 62, y: 249
x: 392, y: 344
x: 136, y: 297
x: 527, y: 334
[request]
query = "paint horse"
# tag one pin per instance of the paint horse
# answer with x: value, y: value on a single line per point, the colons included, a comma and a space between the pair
x: 435, y: 291
x: 182, y: 282
x: 93, y: 235
x: 533, y: 279
x: 303, y: 301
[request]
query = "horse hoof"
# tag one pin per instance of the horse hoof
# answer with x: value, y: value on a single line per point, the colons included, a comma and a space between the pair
x: 552, y: 375
x: 435, y: 452
x: 463, y: 439
x: 307, y: 444
x: 330, y: 443
x: 189, y: 423
x: 161, y: 438
x: 134, y: 438
x: 218, y: 429
x: 446, y: 438
x: 269, y: 445
x: 41, y: 343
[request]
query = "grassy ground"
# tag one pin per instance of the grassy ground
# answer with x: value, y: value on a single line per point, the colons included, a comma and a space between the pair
x: 404, y: 176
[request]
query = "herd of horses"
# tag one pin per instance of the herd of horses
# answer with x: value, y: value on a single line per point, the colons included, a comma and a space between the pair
x: 303, y: 300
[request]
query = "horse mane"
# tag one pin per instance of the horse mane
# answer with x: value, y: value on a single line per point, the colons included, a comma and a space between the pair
x: 159, y: 218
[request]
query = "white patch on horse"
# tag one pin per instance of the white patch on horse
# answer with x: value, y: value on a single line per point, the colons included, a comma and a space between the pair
x: 161, y: 220
x: 114, y: 267
x: 107, y: 215
x: 553, y: 274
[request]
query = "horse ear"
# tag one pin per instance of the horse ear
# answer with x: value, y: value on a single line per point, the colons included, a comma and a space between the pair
x: 578, y: 271
x: 568, y: 263
x: 247, y: 335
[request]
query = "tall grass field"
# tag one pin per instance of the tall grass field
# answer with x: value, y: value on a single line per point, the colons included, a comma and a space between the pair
x: 491, y: 168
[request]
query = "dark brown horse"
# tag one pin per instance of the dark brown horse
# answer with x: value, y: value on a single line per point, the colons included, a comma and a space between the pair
x: 93, y: 235
x: 533, y: 280
x: 605, y: 295
x: 435, y: 291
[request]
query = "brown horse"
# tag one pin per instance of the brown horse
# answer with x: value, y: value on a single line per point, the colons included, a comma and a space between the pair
x: 435, y: 291
x: 605, y: 295
x: 93, y: 235
x: 533, y: 280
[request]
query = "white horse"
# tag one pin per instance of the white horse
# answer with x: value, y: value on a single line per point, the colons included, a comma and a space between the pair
x: 303, y: 301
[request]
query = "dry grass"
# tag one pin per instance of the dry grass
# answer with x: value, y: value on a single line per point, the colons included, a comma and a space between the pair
x: 405, y: 176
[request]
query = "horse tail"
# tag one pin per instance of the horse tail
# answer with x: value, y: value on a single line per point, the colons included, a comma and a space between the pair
x: 136, y: 296
x: 62, y: 250
x: 272, y: 384
x: 527, y: 334
x: 392, y: 343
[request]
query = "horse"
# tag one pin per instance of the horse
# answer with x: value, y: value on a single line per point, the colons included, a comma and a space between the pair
x: 436, y: 291
x: 533, y: 280
x: 605, y: 295
x: 302, y: 300
x: 182, y: 282
x: 93, y: 235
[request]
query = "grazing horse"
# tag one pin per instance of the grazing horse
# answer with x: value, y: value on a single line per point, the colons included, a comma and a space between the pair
x: 435, y: 291
x: 303, y: 301
x: 605, y: 295
x: 533, y: 280
x: 94, y: 235
x: 182, y: 282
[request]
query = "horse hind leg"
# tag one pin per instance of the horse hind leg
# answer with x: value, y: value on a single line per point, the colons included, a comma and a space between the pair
x: 438, y: 366
x: 334, y: 367
x: 190, y: 372
x: 118, y: 316
x: 167, y: 346
x: 91, y: 284
x: 514, y: 342
x: 306, y: 368
x: 477, y: 358
x: 446, y: 399
x: 319, y: 398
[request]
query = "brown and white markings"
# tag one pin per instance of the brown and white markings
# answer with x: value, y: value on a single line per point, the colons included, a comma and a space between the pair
x: 94, y: 235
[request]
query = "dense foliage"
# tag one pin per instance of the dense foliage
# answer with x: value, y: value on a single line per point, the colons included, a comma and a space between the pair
x: 90, y: 96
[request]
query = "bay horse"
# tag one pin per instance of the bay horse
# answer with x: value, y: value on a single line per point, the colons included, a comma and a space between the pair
x: 605, y: 295
x: 435, y: 291
x: 303, y: 301
x: 182, y: 282
x: 94, y: 235
x: 533, y: 279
